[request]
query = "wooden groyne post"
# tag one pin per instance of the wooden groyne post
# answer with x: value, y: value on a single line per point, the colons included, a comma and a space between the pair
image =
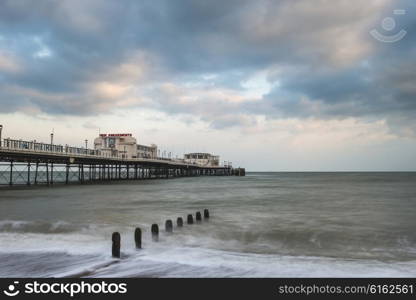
x: 169, y: 226
x: 116, y: 238
x: 198, y: 217
x: 206, y: 214
x: 138, y: 238
x: 155, y: 232
x: 179, y: 222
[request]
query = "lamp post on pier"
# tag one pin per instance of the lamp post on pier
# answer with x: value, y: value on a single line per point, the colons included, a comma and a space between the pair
x: 1, y: 128
x: 86, y: 146
x: 51, y: 140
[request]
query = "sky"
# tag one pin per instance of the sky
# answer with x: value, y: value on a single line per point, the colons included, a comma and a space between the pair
x: 292, y: 85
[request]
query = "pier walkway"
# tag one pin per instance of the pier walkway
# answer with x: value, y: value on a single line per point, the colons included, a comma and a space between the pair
x: 29, y: 162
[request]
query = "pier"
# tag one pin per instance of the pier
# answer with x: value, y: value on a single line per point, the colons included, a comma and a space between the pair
x: 33, y: 163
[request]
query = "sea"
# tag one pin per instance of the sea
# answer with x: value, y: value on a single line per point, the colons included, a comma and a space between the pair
x: 261, y: 225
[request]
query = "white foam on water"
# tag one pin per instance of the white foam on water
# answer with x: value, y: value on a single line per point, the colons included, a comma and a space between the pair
x: 75, y: 243
x: 186, y: 253
x: 198, y: 262
x: 88, y: 254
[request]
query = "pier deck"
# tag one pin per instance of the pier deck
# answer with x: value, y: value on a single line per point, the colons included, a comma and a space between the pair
x: 28, y: 163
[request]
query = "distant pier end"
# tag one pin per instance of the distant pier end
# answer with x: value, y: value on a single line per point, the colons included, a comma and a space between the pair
x: 239, y: 172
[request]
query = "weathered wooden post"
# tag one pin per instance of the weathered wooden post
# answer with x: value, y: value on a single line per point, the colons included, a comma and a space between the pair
x: 198, y: 217
x: 179, y: 222
x: 190, y: 219
x: 116, y: 244
x: 155, y: 232
x: 206, y: 214
x: 138, y: 238
x: 169, y: 226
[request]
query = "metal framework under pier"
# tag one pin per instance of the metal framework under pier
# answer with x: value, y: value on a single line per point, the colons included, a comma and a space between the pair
x: 20, y: 168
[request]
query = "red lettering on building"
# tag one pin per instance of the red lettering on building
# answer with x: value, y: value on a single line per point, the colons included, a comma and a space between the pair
x: 115, y: 134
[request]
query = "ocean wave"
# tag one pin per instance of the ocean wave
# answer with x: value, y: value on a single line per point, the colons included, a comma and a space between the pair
x: 202, y: 262
x: 40, y: 227
x: 51, y: 264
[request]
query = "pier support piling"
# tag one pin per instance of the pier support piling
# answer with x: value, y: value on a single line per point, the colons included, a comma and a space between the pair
x: 28, y: 173
x: 11, y: 173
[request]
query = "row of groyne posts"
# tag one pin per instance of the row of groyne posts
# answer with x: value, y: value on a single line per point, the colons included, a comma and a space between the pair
x: 116, y: 237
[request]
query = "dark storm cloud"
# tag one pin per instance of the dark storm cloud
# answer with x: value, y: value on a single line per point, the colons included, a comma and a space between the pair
x: 380, y: 85
x: 85, y: 57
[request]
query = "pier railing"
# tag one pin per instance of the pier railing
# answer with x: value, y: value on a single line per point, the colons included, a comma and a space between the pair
x: 46, y: 148
x: 43, y: 148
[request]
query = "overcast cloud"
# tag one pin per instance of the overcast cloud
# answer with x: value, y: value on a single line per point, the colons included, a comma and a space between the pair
x: 230, y: 64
